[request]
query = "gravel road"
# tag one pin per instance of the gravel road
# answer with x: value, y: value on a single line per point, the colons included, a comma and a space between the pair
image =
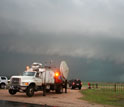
x: 70, y: 99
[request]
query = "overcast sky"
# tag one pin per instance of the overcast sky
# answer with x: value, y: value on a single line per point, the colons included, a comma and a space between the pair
x: 88, y: 34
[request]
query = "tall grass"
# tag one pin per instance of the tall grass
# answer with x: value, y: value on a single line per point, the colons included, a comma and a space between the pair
x: 102, y: 96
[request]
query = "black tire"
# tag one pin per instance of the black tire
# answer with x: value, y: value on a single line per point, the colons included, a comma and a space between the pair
x: 3, y: 86
x: 44, y: 90
x: 47, y: 90
x: 72, y: 87
x: 79, y: 88
x: 12, y: 92
x: 30, y: 91
x: 59, y: 89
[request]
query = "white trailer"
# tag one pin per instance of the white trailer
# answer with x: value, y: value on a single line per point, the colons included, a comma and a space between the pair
x: 38, y: 78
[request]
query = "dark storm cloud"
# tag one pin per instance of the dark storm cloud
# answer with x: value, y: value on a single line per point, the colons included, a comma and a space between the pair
x: 75, y: 46
x: 88, y: 32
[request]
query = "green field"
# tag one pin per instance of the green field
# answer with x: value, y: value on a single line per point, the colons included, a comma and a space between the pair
x: 102, y: 96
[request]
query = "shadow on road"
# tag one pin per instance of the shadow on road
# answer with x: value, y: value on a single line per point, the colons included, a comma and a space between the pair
x: 19, y: 104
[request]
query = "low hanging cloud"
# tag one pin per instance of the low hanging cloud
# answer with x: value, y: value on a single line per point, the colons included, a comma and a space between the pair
x: 104, y: 48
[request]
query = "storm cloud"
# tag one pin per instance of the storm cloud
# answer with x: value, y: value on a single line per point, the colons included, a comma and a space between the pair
x: 88, y: 34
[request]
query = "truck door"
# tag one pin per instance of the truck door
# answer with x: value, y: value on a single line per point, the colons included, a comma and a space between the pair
x: 38, y: 79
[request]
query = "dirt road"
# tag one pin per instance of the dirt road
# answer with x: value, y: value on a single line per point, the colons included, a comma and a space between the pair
x: 71, y: 99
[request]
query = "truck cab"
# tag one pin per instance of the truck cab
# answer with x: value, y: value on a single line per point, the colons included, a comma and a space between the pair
x: 29, y: 79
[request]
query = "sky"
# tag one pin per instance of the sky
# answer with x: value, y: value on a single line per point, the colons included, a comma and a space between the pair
x: 87, y: 34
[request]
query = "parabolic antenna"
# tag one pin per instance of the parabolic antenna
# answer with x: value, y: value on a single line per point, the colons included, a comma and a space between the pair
x: 64, y: 69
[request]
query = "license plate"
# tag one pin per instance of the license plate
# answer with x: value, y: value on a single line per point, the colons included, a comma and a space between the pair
x: 23, y: 88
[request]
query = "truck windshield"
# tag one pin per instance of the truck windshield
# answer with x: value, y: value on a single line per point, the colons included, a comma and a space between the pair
x: 28, y: 73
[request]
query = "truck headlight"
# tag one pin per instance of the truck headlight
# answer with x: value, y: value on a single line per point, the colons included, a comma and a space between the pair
x: 25, y: 83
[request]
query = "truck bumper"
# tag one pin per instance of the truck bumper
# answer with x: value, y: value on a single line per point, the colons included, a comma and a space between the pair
x: 18, y: 88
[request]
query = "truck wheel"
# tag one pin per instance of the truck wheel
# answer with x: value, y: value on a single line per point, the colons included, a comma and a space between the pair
x: 3, y: 86
x: 47, y: 90
x: 79, y: 88
x: 30, y: 91
x: 12, y: 92
x: 44, y: 90
x: 72, y: 87
x: 59, y: 89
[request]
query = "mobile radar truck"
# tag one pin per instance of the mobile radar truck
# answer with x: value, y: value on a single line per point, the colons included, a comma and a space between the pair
x: 39, y: 78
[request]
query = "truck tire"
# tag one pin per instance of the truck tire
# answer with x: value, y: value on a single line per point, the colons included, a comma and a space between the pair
x: 72, y: 87
x: 44, y: 90
x: 30, y: 91
x: 79, y: 88
x: 12, y: 92
x: 47, y: 90
x: 3, y: 86
x: 59, y: 89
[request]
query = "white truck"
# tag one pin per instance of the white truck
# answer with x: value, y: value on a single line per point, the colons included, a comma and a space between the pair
x: 3, y: 82
x: 38, y: 78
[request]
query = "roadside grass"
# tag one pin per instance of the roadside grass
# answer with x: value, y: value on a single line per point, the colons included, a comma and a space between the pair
x: 102, y: 96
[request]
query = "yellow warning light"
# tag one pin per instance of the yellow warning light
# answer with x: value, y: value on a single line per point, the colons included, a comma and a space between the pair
x: 57, y: 74
x: 26, y: 83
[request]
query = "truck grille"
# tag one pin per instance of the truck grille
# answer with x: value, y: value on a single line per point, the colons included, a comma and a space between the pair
x: 15, y: 81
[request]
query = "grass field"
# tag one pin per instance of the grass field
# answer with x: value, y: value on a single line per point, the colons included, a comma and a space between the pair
x: 102, y: 96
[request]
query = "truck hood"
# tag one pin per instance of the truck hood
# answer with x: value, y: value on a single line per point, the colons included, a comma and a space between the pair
x: 24, y: 78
